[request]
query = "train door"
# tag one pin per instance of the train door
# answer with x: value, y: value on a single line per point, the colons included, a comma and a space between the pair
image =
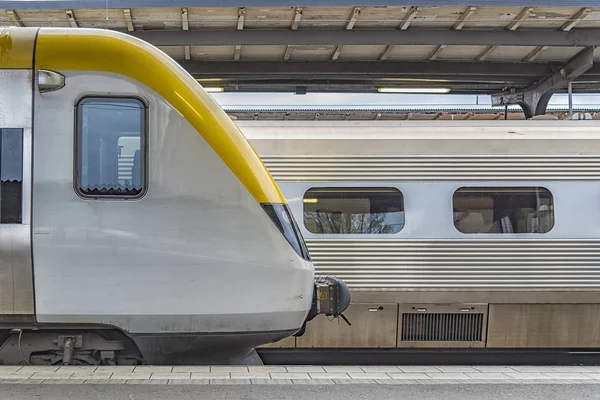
x: 88, y: 196
x: 16, y: 278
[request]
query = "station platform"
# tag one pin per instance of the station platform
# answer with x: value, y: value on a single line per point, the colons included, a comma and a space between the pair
x: 299, y: 375
x: 300, y: 382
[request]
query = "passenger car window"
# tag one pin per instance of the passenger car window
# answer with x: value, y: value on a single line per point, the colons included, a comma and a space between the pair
x: 110, y: 144
x: 353, y: 210
x: 503, y: 210
x: 11, y: 175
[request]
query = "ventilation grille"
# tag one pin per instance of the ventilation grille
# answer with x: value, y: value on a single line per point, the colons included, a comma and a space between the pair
x: 442, y: 327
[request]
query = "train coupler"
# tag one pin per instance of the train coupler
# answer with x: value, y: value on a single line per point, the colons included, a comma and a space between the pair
x: 331, y: 297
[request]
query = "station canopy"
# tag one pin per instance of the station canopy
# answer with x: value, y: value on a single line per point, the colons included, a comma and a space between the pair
x: 495, y: 47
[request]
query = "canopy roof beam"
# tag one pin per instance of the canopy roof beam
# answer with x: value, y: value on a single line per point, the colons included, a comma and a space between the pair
x: 416, y: 37
x: 534, y: 99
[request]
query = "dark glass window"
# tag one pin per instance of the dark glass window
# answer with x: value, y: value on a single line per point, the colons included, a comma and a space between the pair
x: 284, y: 220
x: 503, y: 210
x: 11, y: 176
x: 354, y: 210
x: 110, y: 141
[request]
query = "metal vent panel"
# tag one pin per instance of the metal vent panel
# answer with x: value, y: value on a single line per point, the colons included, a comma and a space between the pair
x: 442, y: 325
x: 407, y: 167
x: 460, y: 264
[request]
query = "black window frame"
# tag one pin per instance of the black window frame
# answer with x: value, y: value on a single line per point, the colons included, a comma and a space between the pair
x: 11, y: 207
x: 143, y: 147
x: 349, y: 188
x: 499, y: 188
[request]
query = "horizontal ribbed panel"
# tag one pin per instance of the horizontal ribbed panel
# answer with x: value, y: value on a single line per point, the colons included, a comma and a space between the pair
x: 365, y: 168
x: 459, y: 263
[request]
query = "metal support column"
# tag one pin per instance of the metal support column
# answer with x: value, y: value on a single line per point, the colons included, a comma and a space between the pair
x: 570, y: 88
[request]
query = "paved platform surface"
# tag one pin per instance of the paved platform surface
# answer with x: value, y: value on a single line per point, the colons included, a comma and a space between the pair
x: 297, y: 392
x: 301, y: 375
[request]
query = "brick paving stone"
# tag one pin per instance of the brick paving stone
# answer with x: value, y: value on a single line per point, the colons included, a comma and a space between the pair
x: 189, y: 381
x: 403, y: 376
x: 211, y: 375
x: 417, y: 369
x: 380, y: 368
x: 494, y: 369
x: 369, y: 375
x: 51, y: 375
x: 267, y: 368
x: 128, y: 376
x: 93, y: 375
x: 8, y: 369
x: 531, y: 368
x: 191, y: 369
x: 115, y: 368
x: 397, y: 381
x: 228, y: 369
x: 350, y: 381
x: 572, y: 369
x: 147, y: 382
x: 342, y: 368
x: 15, y: 376
x: 34, y: 369
x: 64, y: 381
x: 152, y: 368
x: 272, y: 382
x: 563, y: 375
x: 250, y: 375
x: 289, y: 375
x: 77, y: 368
x: 527, y: 376
x: 487, y: 375
x: 456, y: 368
x: 308, y: 368
x: 230, y: 382
x: 447, y: 375
x: 326, y: 375
x: 443, y: 382
x: 170, y: 375
x: 23, y: 381
x: 312, y: 381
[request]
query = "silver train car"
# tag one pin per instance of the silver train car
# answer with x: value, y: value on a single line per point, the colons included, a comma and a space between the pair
x: 137, y: 224
x: 482, y: 234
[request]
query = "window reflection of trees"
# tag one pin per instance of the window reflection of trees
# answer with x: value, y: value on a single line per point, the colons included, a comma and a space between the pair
x: 337, y: 222
x: 353, y: 211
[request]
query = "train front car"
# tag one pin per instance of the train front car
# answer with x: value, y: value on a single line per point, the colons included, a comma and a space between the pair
x: 149, y: 230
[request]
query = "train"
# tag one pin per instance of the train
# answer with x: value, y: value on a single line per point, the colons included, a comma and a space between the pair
x: 137, y: 224
x: 479, y: 235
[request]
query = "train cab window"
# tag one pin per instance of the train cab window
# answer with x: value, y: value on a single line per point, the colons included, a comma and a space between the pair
x: 503, y: 210
x: 11, y: 175
x: 110, y: 142
x: 353, y: 210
